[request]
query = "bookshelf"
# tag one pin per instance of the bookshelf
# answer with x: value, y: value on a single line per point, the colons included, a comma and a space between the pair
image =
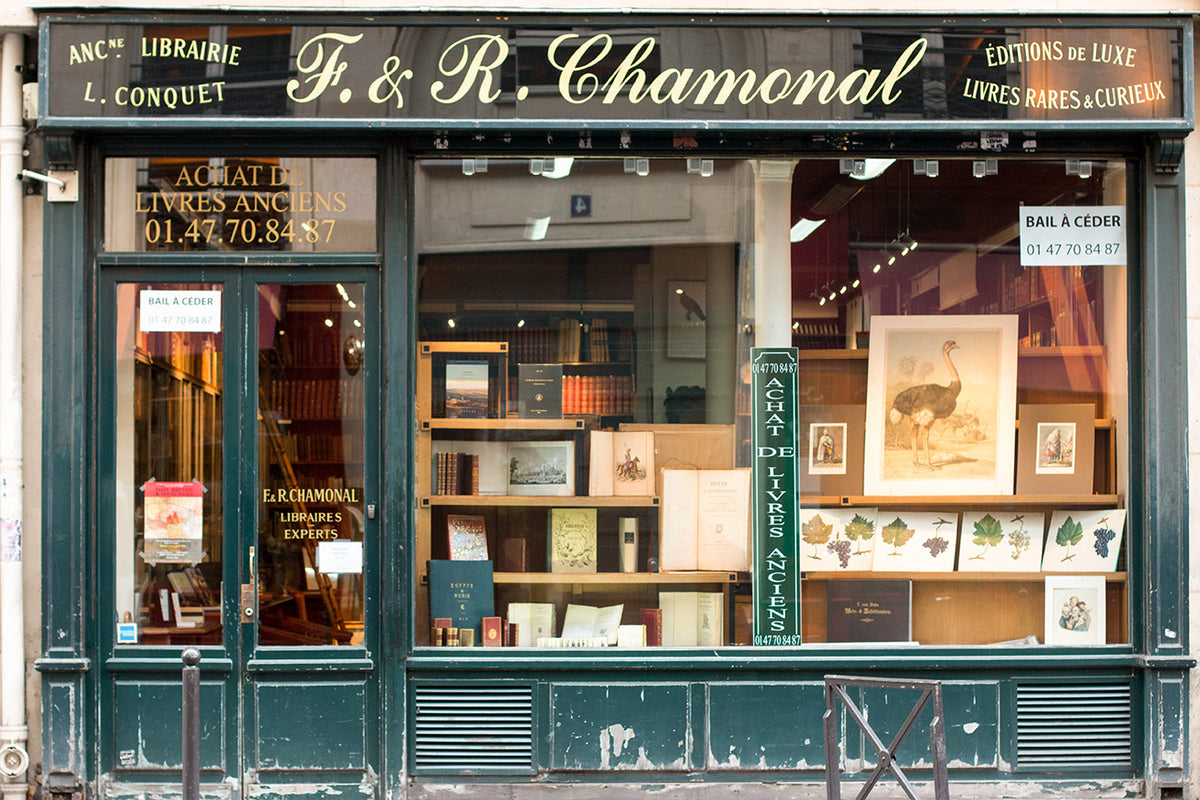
x: 524, y: 518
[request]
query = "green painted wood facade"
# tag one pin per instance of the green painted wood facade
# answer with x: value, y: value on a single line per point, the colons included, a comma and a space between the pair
x: 316, y: 722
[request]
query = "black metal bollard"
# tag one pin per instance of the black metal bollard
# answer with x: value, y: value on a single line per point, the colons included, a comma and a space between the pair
x: 191, y: 724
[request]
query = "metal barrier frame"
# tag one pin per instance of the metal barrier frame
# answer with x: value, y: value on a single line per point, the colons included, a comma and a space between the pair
x: 835, y: 688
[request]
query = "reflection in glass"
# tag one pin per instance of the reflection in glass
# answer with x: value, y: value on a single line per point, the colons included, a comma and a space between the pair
x: 168, y: 465
x: 309, y: 557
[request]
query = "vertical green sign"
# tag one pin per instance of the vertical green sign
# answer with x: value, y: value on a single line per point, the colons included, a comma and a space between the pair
x: 775, y: 395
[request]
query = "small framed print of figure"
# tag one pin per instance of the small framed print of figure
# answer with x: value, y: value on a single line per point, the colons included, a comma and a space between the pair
x: 1056, y: 448
x: 831, y: 448
x: 1075, y: 611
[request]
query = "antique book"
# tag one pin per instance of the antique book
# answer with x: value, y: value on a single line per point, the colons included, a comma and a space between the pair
x: 705, y: 520
x: 462, y: 591
x: 467, y: 389
x: 869, y: 610
x: 692, y: 619
x: 487, y: 470
x: 540, y: 391
x: 571, y: 540
x: 467, y: 537
x: 621, y: 463
x: 512, y: 555
x: 582, y: 621
x: 653, y: 621
x: 493, y: 635
x: 532, y: 621
x: 631, y: 636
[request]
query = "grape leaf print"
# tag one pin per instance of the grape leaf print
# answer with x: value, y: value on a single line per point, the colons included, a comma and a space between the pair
x: 1069, y: 534
x: 861, y: 529
x: 816, y: 532
x: 988, y: 533
x: 896, y: 533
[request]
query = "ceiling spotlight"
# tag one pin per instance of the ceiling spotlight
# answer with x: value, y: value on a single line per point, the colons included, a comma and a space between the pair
x: 844, y: 289
x: 700, y: 166
x: 638, y: 166
x: 832, y: 294
x: 795, y: 326
x: 536, y: 165
x: 1081, y: 168
x: 521, y: 323
x: 891, y: 260
x: 855, y: 284
x: 877, y: 267
x: 985, y: 166
x: 925, y: 166
x: 450, y: 322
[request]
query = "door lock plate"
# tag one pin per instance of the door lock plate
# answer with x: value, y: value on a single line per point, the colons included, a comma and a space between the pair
x: 248, y: 602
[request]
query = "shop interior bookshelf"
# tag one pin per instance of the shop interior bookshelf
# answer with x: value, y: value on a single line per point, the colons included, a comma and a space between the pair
x: 524, y: 517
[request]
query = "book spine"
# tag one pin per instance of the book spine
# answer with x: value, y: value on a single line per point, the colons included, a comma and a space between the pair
x: 652, y: 619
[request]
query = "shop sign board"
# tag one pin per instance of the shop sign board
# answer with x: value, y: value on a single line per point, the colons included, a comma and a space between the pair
x: 1066, y: 236
x: 776, y: 498
x: 819, y: 77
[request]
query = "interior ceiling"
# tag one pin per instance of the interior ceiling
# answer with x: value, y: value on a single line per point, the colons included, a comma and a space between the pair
x: 953, y: 209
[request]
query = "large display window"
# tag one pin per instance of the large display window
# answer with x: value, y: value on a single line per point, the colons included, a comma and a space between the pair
x: 583, y: 399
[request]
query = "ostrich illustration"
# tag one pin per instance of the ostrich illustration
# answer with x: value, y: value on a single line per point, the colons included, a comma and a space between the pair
x: 925, y: 404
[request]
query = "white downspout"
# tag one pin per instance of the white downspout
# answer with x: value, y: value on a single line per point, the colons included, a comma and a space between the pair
x: 14, y: 735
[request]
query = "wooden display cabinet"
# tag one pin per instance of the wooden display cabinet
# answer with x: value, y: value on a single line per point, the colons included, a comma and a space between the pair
x: 524, y: 517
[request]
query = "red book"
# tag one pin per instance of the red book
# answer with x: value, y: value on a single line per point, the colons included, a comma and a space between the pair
x: 492, y: 632
x: 652, y: 619
x: 510, y: 634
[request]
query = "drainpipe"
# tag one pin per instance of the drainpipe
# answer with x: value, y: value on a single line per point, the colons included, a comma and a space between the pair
x: 14, y: 758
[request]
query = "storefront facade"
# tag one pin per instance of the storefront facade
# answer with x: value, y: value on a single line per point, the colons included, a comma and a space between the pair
x: 309, y: 277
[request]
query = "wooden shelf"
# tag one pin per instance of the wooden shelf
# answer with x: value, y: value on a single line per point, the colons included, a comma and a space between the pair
x: 1056, y: 351
x: 506, y: 424
x: 616, y: 578
x: 571, y: 501
x: 970, y: 577
x: 1001, y: 501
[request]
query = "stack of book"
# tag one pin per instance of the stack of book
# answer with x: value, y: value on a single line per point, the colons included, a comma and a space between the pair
x: 456, y: 473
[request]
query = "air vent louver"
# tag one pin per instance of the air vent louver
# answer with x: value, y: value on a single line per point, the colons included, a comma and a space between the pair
x: 1074, y: 727
x: 473, y: 729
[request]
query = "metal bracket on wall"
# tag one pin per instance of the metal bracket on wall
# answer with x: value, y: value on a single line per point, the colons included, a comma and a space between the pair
x: 1168, y: 154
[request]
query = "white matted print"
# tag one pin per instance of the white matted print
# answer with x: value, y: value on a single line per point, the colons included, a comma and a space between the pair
x: 941, y: 405
x: 837, y: 539
x: 827, y: 452
x: 1055, y: 448
x: 914, y: 541
x: 1075, y: 610
x: 541, y: 468
x: 1001, y: 541
x: 1084, y: 541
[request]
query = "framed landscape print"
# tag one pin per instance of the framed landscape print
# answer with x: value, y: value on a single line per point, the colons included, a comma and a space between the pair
x: 1001, y: 541
x: 941, y: 405
x: 1075, y: 610
x: 1056, y: 448
x: 831, y: 447
x: 541, y: 468
x: 1084, y: 541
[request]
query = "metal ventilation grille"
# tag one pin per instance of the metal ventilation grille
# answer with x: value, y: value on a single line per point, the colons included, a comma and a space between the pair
x: 473, y: 728
x: 1064, y: 727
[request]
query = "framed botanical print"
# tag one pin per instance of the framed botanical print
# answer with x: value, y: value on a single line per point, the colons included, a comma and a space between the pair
x: 1075, y: 610
x: 941, y: 405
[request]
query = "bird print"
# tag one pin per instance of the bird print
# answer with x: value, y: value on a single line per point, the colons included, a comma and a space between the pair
x: 926, y: 404
x: 690, y: 306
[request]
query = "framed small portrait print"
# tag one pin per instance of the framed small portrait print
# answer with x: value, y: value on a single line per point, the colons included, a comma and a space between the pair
x: 1075, y: 611
x: 827, y: 448
x: 1056, y: 448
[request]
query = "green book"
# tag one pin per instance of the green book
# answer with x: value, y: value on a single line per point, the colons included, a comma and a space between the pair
x: 462, y: 591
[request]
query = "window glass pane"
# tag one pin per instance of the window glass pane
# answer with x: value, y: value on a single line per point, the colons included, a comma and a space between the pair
x: 569, y: 308
x: 311, y: 409
x: 237, y: 204
x: 168, y: 463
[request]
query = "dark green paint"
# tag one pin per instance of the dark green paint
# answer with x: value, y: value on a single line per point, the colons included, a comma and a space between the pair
x: 619, y: 726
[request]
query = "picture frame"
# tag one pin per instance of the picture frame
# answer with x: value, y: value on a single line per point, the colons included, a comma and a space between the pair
x: 1084, y: 540
x: 1075, y: 610
x: 687, y: 315
x: 841, y: 475
x: 970, y: 400
x: 1001, y: 541
x: 1056, y: 448
x: 916, y: 541
x: 545, y: 469
x: 440, y: 354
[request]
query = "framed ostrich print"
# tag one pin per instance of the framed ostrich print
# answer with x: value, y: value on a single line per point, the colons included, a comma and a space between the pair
x: 941, y: 405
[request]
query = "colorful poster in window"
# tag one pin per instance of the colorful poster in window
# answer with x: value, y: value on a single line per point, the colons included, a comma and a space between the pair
x: 174, y: 521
